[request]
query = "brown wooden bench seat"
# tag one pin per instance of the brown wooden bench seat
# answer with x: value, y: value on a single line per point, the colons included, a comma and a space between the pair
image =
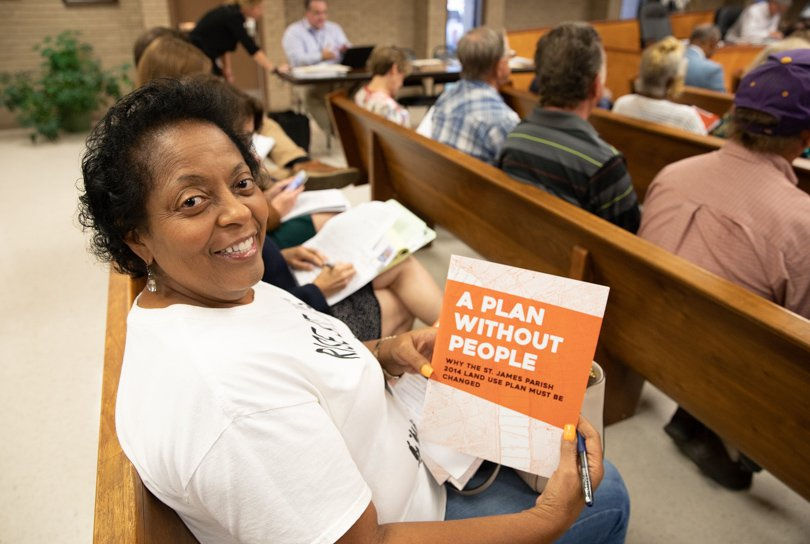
x: 718, y: 103
x: 647, y: 146
x: 736, y: 361
x: 125, y: 512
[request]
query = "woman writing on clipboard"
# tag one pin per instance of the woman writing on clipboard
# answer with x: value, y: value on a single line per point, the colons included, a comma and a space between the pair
x: 218, y: 32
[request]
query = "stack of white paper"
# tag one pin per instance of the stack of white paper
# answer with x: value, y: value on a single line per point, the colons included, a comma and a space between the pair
x: 262, y: 144
x: 327, y: 200
x: 320, y: 70
x: 372, y: 237
x: 445, y: 464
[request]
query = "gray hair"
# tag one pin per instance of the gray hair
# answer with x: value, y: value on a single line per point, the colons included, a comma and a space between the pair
x: 742, y: 118
x: 662, y: 69
x: 479, y: 50
x: 568, y: 60
x: 705, y: 33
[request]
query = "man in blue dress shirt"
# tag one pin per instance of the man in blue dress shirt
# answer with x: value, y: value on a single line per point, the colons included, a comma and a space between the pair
x: 314, y: 40
x: 700, y: 71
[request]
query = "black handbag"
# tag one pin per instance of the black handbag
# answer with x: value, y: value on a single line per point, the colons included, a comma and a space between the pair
x: 296, y: 125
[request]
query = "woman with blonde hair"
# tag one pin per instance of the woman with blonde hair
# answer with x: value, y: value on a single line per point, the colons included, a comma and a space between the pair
x: 388, y: 66
x: 663, y: 69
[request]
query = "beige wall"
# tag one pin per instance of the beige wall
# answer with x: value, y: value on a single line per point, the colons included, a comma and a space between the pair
x: 522, y: 14
x: 110, y: 28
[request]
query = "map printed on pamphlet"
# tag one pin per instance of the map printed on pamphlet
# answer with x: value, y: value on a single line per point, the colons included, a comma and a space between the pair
x: 511, y: 362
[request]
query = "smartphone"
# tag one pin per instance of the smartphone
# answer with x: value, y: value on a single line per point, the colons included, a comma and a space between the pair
x: 299, y: 179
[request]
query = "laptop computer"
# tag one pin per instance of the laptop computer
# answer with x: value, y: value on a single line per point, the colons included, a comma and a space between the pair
x: 356, y: 57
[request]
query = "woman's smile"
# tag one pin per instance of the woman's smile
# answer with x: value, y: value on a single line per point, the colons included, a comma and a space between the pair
x: 206, y: 218
x: 241, y: 250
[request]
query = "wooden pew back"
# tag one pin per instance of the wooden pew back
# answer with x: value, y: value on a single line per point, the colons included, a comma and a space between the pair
x: 125, y: 511
x: 647, y: 146
x: 738, y: 362
x: 622, y: 42
x: 714, y: 101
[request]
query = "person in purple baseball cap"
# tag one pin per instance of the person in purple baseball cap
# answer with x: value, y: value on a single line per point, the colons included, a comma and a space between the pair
x: 739, y: 213
x: 777, y: 94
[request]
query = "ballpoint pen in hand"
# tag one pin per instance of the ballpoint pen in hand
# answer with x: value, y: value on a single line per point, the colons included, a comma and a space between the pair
x: 584, y: 474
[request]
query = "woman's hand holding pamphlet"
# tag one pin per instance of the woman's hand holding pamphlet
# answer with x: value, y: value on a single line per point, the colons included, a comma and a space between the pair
x: 510, y: 366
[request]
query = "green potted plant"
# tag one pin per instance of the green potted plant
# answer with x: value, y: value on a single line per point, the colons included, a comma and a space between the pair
x: 63, y: 95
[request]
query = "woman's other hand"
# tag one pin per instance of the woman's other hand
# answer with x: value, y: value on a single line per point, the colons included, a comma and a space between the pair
x: 408, y: 352
x: 280, y: 198
x: 303, y: 258
x: 275, y: 189
x: 334, y: 278
x: 562, y: 499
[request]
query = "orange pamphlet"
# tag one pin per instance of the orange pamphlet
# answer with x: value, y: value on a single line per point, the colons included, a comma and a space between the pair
x: 710, y: 120
x: 511, y: 362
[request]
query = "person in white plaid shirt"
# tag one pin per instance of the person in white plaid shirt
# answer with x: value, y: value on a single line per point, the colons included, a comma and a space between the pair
x: 470, y: 115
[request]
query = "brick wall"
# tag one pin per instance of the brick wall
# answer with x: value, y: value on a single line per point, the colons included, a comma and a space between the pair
x: 367, y: 21
x: 109, y: 28
x: 155, y: 13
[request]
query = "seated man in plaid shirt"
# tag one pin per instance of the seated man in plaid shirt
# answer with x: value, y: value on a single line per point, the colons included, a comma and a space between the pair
x: 470, y: 115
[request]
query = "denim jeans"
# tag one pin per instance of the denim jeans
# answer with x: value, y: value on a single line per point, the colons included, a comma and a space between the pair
x: 603, y: 523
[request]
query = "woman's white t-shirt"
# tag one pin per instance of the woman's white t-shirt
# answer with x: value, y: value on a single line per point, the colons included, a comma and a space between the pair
x: 660, y: 111
x: 267, y: 422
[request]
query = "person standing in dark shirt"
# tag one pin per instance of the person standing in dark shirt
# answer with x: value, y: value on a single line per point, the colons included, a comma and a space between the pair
x: 218, y: 32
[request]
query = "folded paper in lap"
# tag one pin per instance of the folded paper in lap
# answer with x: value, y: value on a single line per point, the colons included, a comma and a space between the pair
x: 511, y: 362
x: 445, y: 464
x: 372, y: 237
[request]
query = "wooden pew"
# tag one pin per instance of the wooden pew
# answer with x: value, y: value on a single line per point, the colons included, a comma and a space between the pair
x: 125, y: 511
x: 648, y: 147
x: 622, y: 42
x: 623, y: 66
x: 684, y: 23
x: 713, y: 101
x: 734, y: 59
x: 738, y: 362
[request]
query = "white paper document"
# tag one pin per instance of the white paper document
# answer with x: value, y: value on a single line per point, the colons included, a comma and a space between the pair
x: 263, y: 145
x: 323, y: 69
x: 443, y: 462
x: 309, y: 202
x: 371, y: 237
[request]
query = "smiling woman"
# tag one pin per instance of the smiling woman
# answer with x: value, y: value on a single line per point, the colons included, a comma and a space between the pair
x: 255, y: 417
x: 205, y: 219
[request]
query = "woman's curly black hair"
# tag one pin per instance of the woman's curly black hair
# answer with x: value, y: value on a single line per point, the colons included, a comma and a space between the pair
x: 117, y: 166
